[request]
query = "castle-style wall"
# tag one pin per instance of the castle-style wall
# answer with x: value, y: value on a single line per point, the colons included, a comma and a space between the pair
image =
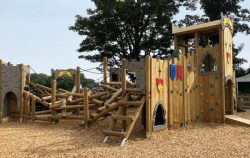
x: 11, y: 83
x: 137, y: 67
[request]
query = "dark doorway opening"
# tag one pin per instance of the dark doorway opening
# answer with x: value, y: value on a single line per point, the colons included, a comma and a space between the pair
x: 10, y: 106
x: 229, y: 101
x: 159, y: 118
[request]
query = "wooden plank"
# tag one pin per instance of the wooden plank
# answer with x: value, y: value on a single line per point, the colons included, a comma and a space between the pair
x: 105, y: 62
x: 170, y: 96
x: 196, y: 28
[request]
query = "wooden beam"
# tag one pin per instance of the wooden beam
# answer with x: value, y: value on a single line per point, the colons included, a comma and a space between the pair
x: 105, y: 62
x: 1, y: 62
x: 109, y: 88
x: 78, y: 79
x: 86, y: 106
x: 21, y: 91
x: 112, y: 99
x: 33, y: 106
x: 124, y: 87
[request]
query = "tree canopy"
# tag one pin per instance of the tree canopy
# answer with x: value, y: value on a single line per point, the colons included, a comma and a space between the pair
x: 66, y: 83
x: 126, y: 29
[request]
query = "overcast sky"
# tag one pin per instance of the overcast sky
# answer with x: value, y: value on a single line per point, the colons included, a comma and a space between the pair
x: 35, y: 32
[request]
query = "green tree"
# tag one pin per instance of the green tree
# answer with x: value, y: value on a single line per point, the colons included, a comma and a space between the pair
x: 41, y: 78
x: 126, y: 29
x: 66, y: 83
x: 213, y: 10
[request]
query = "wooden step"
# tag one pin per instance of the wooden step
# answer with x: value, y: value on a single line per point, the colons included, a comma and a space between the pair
x: 133, y: 103
x: 134, y: 91
x: 124, y: 118
x: 113, y: 133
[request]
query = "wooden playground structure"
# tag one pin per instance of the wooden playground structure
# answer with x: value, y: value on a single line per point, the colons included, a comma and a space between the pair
x: 196, y: 84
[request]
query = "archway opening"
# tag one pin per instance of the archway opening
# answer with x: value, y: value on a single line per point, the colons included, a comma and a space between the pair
x: 159, y: 118
x: 229, y: 101
x: 10, y: 106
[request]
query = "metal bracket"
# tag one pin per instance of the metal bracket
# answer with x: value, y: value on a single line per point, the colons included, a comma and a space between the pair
x: 123, y: 142
x: 106, y: 139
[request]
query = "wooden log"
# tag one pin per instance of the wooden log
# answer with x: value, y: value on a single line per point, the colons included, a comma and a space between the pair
x: 112, y: 99
x: 63, y: 90
x: 105, y: 62
x: 22, y: 80
x: 104, y: 112
x: 43, y: 87
x: 124, y: 118
x: 100, y: 109
x: 73, y: 117
x: 33, y: 105
x: 86, y: 106
x: 43, y: 112
x: 42, y: 118
x: 107, y: 87
x: 1, y: 62
x: 128, y: 103
x: 124, y: 87
x: 98, y: 102
x: 37, y: 99
x: 56, y: 105
x: 76, y: 101
x: 78, y: 79
x: 71, y: 94
x: 98, y: 95
x: 113, y: 133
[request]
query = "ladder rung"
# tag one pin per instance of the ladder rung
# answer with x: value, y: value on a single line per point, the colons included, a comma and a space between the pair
x: 134, y: 91
x: 113, y: 133
x: 125, y: 118
x: 128, y: 103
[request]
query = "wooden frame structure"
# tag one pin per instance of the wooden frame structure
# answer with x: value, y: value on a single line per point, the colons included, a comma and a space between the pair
x: 195, y: 85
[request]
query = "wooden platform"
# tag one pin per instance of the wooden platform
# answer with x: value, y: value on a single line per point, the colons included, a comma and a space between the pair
x: 233, y: 119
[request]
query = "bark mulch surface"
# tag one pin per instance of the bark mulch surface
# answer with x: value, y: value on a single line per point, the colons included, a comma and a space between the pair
x: 67, y: 139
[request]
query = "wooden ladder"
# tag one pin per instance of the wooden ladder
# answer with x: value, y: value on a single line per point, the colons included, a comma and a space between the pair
x: 130, y: 120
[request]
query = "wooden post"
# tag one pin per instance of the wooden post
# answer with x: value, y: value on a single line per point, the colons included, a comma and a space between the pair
x: 105, y: 61
x: 148, y: 91
x: 53, y: 94
x: 222, y: 73
x: 33, y: 106
x: 21, y: 91
x: 1, y: 62
x: 78, y: 81
x: 124, y: 86
x: 86, y: 106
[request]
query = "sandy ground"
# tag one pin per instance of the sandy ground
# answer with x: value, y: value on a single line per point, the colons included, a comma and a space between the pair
x: 245, y: 115
x: 67, y: 139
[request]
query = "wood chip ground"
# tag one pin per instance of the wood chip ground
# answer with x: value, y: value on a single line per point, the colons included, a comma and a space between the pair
x: 67, y: 139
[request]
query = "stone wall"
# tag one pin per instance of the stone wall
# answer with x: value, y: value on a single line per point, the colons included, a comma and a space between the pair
x: 139, y: 68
